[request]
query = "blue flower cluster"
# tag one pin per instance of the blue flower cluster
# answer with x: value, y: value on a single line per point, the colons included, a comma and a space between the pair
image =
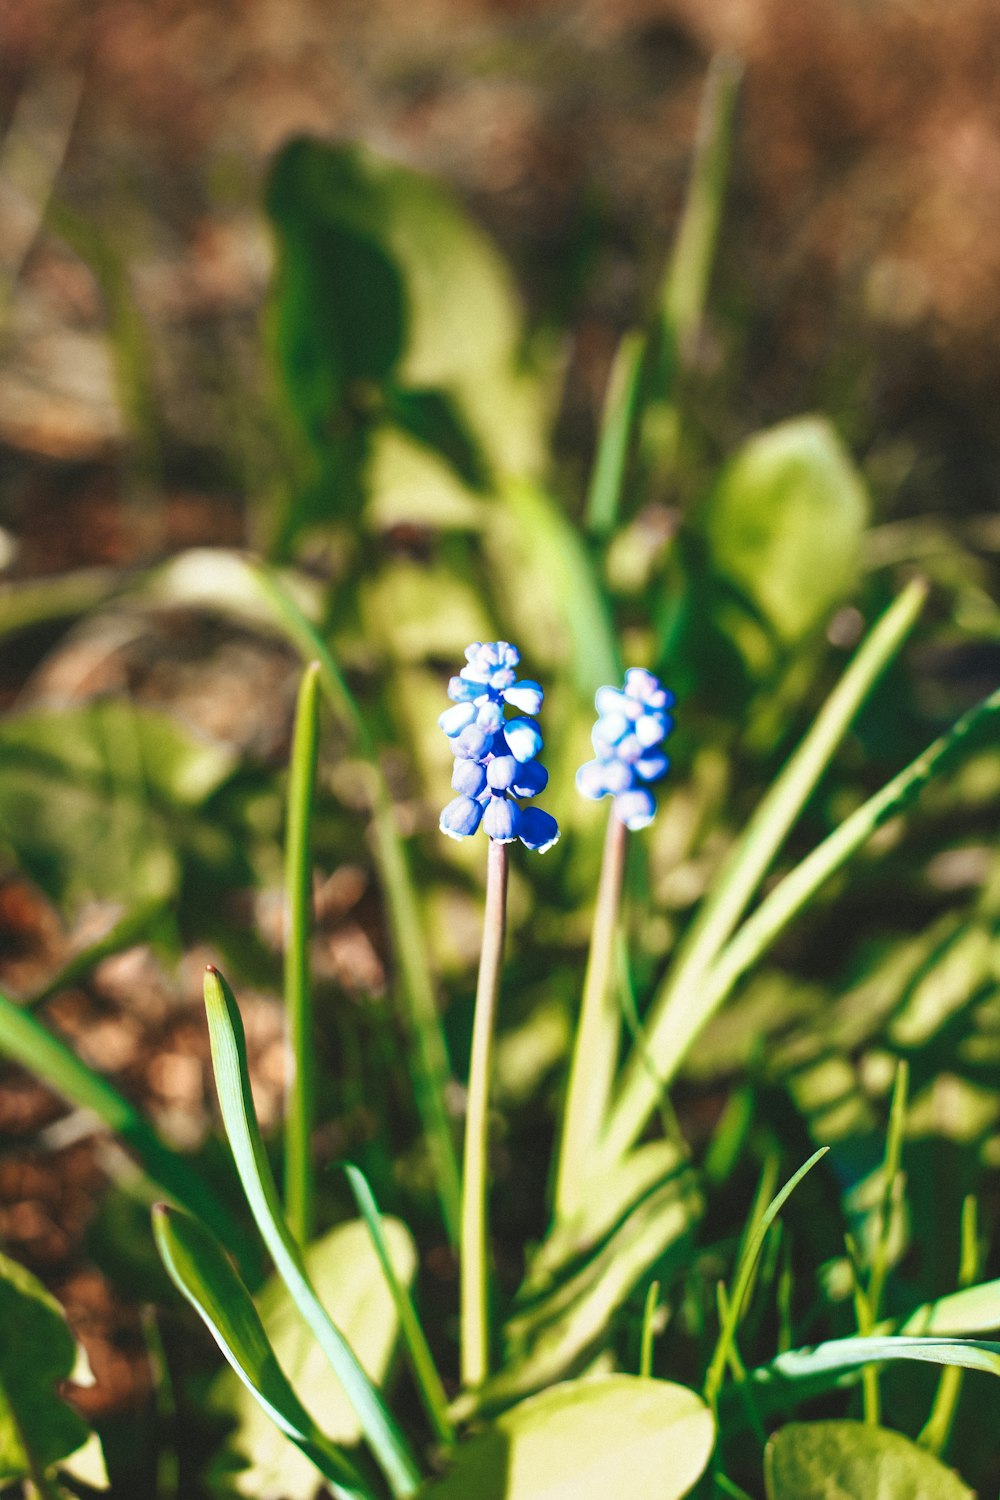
x: 633, y: 723
x: 495, y: 757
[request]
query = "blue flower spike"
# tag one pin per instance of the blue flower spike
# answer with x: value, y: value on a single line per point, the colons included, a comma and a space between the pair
x: 496, y: 757
x: 632, y: 724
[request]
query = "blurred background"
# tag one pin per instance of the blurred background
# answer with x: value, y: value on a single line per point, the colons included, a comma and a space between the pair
x: 856, y: 274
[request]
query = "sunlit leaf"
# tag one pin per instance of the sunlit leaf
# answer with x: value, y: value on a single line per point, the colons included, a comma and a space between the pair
x: 854, y: 1461
x: 783, y: 525
x: 37, y: 1353
x: 583, y: 1440
x: 201, y: 1271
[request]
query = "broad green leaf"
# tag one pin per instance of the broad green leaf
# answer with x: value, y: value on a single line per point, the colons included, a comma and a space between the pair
x: 783, y: 525
x: 232, y: 1080
x: 586, y: 1440
x: 90, y: 797
x: 392, y: 314
x: 854, y: 1461
x: 201, y: 1271
x: 37, y: 1352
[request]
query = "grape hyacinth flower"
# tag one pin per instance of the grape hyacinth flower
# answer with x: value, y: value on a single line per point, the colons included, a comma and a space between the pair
x: 495, y: 757
x: 632, y: 724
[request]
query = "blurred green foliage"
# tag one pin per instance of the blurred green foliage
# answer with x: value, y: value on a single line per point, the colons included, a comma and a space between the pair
x: 426, y: 502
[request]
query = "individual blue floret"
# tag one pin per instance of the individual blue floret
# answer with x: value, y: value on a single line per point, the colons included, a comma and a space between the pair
x: 495, y: 757
x: 632, y: 723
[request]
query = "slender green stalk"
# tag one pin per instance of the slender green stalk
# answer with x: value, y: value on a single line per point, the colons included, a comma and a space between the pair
x: 648, y: 1330
x: 685, y: 283
x: 300, y: 1105
x: 621, y: 405
x: 598, y: 1033
x: 474, y: 1252
x: 937, y: 1429
x: 431, y: 1068
x: 749, y: 1256
x: 682, y: 1007
x: 429, y: 1386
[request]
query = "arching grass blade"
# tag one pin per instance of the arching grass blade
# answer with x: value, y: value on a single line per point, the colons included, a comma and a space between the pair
x: 232, y: 1081
x: 200, y: 1269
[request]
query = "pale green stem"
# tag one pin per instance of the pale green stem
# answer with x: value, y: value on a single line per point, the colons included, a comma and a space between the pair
x: 595, y: 1050
x: 300, y: 1102
x: 474, y: 1254
x: 937, y: 1429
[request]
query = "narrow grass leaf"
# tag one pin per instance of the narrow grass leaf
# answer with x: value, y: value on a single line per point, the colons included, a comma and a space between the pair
x: 300, y: 1105
x: 203, y: 1274
x: 345, y: 1272
x: 614, y: 440
x: 233, y: 1084
x: 744, y: 1275
x: 432, y: 1392
x: 840, y: 1356
x: 681, y: 1008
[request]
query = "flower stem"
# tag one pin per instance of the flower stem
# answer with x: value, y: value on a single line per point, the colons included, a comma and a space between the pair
x: 473, y: 1244
x: 595, y: 1050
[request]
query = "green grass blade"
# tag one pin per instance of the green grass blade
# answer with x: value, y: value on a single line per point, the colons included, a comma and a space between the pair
x: 892, y: 1183
x: 300, y: 1106
x: 801, y: 884
x: 621, y: 405
x: 648, y: 1330
x: 432, y: 1392
x: 840, y: 1356
x: 233, y: 1084
x: 744, y: 1275
x: 200, y: 1269
x: 937, y: 1429
x: 431, y: 1069
x: 685, y: 283
x: 28, y: 1042
x: 685, y: 280
x: 596, y: 1043
x: 679, y: 1009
